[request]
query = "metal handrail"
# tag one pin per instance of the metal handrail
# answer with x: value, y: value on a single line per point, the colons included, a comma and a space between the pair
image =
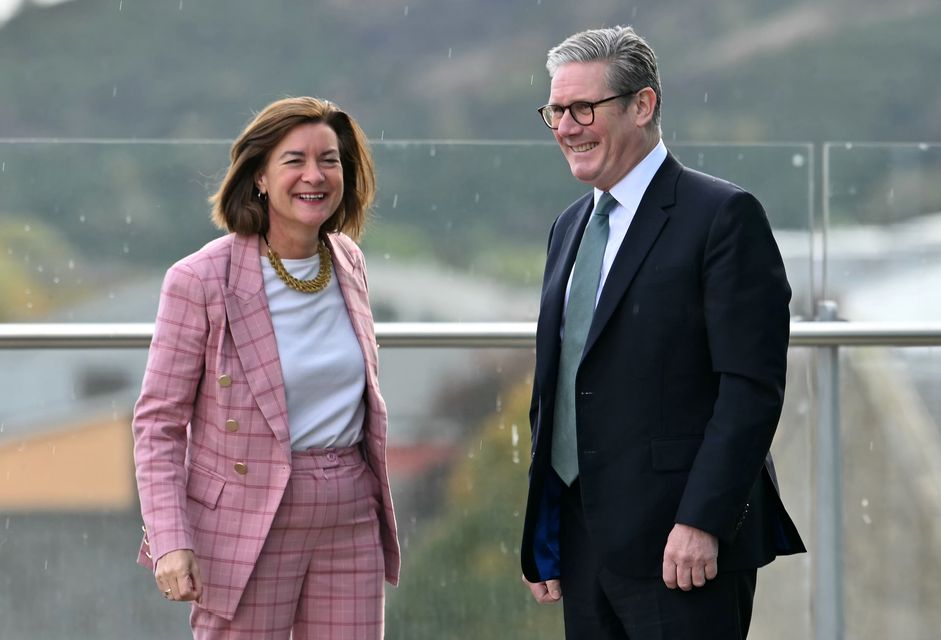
x: 137, y: 335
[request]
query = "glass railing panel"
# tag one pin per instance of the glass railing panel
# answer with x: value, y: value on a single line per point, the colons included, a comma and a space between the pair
x: 459, y: 453
x: 462, y: 216
x: 883, y: 249
x: 459, y: 234
x: 891, y: 445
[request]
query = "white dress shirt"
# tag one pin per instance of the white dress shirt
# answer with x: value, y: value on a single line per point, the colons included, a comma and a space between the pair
x: 628, y: 193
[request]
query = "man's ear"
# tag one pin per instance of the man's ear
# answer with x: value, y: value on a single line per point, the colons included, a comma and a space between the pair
x: 644, y: 106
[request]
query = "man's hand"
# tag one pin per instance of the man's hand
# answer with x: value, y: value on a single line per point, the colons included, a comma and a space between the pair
x: 548, y: 592
x: 177, y: 575
x: 690, y: 558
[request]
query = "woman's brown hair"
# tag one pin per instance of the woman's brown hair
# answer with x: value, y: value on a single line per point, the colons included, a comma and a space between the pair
x: 237, y: 207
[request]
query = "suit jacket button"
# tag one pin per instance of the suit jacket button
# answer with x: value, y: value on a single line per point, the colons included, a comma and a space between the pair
x: 232, y: 425
x: 241, y: 468
x: 225, y: 380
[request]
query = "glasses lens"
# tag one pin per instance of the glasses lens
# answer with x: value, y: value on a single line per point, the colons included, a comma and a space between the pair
x: 550, y: 116
x: 583, y: 113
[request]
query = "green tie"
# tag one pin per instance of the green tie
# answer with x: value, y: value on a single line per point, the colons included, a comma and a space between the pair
x: 586, y: 275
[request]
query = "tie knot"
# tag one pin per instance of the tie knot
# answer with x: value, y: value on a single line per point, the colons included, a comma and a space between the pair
x: 605, y: 204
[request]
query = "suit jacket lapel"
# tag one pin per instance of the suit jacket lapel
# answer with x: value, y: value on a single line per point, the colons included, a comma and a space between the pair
x: 253, y: 334
x: 553, y: 302
x: 648, y: 221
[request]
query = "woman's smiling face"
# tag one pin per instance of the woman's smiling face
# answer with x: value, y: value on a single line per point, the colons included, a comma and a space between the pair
x: 303, y: 180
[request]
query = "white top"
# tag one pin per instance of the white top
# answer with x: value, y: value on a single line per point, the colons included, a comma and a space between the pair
x: 321, y: 359
x: 628, y: 193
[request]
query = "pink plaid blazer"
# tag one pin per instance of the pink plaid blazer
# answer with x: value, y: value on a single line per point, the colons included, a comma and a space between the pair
x: 210, y: 427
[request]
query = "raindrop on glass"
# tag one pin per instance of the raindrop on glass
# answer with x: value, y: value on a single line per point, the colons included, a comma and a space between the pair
x: 114, y: 91
x: 864, y: 502
x: 125, y: 248
x: 71, y: 264
x: 705, y: 98
x: 532, y: 80
x: 406, y: 9
x: 27, y: 228
x: 433, y: 152
x: 514, y: 435
x: 923, y: 146
x: 3, y: 167
x: 382, y: 134
x: 450, y: 51
x: 395, y: 201
x: 848, y: 146
x: 81, y: 218
x: 798, y: 160
x: 867, y: 519
x: 477, y: 198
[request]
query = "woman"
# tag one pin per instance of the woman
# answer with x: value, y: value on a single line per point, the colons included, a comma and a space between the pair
x: 260, y: 432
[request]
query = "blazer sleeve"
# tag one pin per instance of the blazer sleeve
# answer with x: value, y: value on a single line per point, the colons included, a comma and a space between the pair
x: 175, y: 367
x: 745, y: 305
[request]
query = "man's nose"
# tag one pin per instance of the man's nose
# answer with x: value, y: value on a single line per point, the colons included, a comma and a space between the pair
x: 567, y: 124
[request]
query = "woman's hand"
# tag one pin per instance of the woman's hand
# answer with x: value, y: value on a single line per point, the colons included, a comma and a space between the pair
x: 178, y: 576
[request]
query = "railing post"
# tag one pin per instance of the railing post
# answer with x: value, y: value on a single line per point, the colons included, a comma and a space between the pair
x: 828, y: 502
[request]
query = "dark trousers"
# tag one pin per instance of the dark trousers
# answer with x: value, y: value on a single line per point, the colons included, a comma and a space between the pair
x: 599, y: 605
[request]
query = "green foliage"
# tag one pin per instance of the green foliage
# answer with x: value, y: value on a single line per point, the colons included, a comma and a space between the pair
x: 36, y: 270
x: 461, y: 577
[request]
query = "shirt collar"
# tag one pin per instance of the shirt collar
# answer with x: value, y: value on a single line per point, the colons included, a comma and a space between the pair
x: 630, y: 189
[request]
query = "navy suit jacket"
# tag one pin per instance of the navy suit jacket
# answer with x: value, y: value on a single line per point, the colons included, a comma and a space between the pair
x: 680, y: 386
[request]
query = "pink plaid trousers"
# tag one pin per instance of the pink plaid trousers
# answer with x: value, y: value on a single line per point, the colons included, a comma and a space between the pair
x: 320, y: 572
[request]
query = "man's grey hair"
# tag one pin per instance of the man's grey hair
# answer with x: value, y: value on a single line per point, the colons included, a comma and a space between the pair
x: 632, y: 64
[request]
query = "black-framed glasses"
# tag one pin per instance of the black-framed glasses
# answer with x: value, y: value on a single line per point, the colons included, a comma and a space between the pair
x: 582, y: 112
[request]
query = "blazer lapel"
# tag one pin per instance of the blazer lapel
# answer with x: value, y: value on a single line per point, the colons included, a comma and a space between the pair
x: 353, y: 288
x: 648, y: 221
x: 249, y: 321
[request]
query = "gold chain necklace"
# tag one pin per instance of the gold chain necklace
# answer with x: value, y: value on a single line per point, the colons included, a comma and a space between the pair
x: 304, y: 286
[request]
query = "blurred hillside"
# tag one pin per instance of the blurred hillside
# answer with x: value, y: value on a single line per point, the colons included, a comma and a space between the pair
x: 781, y: 70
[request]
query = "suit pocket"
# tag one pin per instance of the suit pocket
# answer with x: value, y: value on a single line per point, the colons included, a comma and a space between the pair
x: 674, y: 454
x: 204, y: 487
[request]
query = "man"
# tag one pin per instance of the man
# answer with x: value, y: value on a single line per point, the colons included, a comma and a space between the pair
x: 661, y: 352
